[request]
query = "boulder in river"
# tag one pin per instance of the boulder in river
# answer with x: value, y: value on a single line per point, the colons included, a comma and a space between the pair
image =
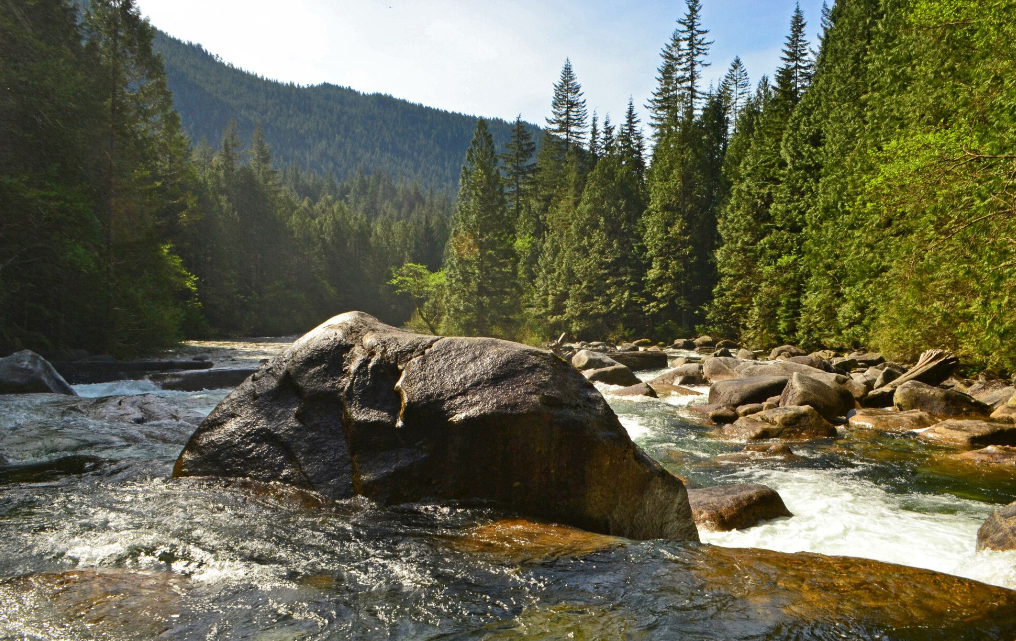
x: 640, y: 389
x: 939, y: 402
x: 968, y: 434
x: 588, y: 359
x: 745, y: 355
x: 640, y: 361
x: 761, y: 453
x: 613, y: 375
x: 687, y: 374
x: 28, y: 373
x: 720, y: 368
x: 745, y: 391
x: 831, y: 401
x: 999, y: 531
x: 735, y: 507
x: 1006, y: 413
x: 705, y: 341
x: 723, y: 415
x: 783, y: 423
x: 889, y: 421
x: 995, y: 457
x: 786, y: 351
x: 202, y: 379
x: 934, y: 367
x: 356, y: 407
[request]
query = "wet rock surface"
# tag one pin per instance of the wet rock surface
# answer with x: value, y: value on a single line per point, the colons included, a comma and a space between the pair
x: 783, y: 423
x: 829, y: 400
x: 999, y: 531
x: 28, y: 373
x: 357, y: 407
x: 613, y: 375
x: 745, y: 391
x: 969, y: 434
x: 735, y: 507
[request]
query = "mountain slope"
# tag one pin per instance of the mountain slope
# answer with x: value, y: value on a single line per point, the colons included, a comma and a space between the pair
x: 325, y: 129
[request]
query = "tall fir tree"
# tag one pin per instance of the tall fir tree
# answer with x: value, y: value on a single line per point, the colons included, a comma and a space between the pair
x: 798, y: 68
x: 569, y: 119
x: 691, y: 59
x: 481, y: 293
x: 736, y: 88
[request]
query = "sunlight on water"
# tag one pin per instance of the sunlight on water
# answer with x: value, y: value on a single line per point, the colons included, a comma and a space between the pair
x: 837, y: 512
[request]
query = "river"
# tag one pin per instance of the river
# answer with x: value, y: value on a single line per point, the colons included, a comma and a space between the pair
x: 96, y: 541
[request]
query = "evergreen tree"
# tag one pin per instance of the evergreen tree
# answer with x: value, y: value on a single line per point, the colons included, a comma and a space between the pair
x: 518, y: 167
x: 736, y: 88
x: 692, y: 57
x: 481, y: 294
x: 669, y: 96
x: 795, y: 75
x: 632, y: 142
x: 568, y: 121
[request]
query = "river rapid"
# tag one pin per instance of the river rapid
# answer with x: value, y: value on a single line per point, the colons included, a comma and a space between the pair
x: 97, y: 541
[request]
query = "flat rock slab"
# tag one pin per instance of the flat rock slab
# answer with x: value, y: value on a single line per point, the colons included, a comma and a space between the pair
x: 993, y: 456
x: 356, y: 407
x: 890, y: 421
x: 782, y: 423
x: 196, y: 381
x: 735, y: 507
x: 642, y: 389
x: 969, y: 435
x: 746, y: 391
x: 999, y: 531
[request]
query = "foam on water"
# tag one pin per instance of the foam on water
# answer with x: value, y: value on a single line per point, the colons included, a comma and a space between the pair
x: 118, y: 388
x: 838, y: 512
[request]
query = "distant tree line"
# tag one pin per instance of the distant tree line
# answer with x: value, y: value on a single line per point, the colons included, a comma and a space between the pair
x: 863, y: 197
x: 116, y: 235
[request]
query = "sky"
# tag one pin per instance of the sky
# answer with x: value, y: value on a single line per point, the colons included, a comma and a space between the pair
x: 492, y: 58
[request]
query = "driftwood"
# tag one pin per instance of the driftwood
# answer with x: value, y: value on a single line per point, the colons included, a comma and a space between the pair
x: 934, y: 366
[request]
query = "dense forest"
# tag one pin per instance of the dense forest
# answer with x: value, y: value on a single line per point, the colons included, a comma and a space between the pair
x: 860, y: 197
x: 117, y: 235
x: 329, y: 130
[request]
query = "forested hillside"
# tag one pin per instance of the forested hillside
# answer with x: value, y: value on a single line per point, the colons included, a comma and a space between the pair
x: 862, y: 197
x: 333, y: 131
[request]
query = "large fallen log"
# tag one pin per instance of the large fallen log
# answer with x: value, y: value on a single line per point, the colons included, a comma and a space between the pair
x: 934, y: 366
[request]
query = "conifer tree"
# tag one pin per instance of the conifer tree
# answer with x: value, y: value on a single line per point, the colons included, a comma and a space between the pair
x: 632, y: 143
x: 518, y: 167
x: 692, y: 57
x: 668, y: 97
x: 736, y: 87
x: 795, y: 75
x: 595, y: 144
x: 569, y: 119
x: 481, y: 296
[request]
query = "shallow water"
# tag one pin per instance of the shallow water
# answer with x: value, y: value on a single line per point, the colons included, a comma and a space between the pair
x: 108, y: 546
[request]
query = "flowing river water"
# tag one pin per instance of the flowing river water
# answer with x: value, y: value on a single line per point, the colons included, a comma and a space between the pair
x: 97, y: 541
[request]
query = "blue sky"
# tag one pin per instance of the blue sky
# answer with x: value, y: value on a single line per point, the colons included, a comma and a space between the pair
x: 484, y: 57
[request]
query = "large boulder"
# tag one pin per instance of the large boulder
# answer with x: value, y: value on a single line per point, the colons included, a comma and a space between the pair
x: 748, y: 369
x: 783, y: 423
x: 28, y: 373
x: 999, y: 531
x: 360, y: 408
x: 831, y: 401
x: 1006, y: 413
x: 720, y: 368
x: 613, y: 375
x: 746, y: 391
x: 969, y: 435
x: 687, y: 374
x: 735, y: 507
x: 939, y: 402
x: 587, y: 359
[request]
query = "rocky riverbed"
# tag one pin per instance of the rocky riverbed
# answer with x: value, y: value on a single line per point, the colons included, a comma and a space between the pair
x: 99, y: 541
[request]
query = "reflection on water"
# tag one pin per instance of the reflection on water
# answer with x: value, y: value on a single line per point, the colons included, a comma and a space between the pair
x: 111, y: 547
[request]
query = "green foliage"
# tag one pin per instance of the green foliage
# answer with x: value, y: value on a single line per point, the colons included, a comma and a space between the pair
x: 425, y: 287
x: 481, y: 292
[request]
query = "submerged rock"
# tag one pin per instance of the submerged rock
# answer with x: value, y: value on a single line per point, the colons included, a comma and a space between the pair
x: 28, y: 373
x: 613, y: 375
x: 784, y: 423
x: 999, y: 531
x: 360, y: 408
x: 968, y: 434
x: 943, y: 403
x: 735, y: 507
x: 761, y: 453
x: 993, y: 456
x: 139, y: 410
x: 890, y: 421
